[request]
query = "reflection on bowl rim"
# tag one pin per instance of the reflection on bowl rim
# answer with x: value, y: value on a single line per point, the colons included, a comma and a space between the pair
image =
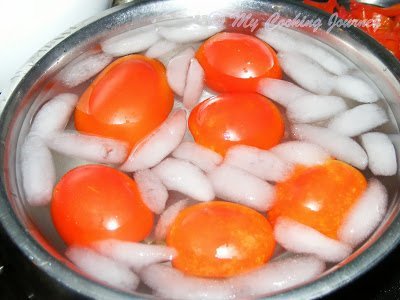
x: 48, y: 56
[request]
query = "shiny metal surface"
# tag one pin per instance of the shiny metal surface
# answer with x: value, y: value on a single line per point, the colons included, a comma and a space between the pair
x: 381, y: 67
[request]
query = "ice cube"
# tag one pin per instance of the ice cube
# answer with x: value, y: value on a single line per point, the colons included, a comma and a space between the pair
x: 356, y: 89
x: 381, y: 153
x: 279, y: 275
x: 132, y: 41
x: 167, y: 218
x: 301, y: 153
x: 83, y: 68
x: 299, y: 238
x: 177, y: 70
x: 189, y: 33
x: 359, y: 119
x: 365, y: 215
x: 54, y: 115
x: 158, y: 145
x: 198, y: 155
x: 314, y: 108
x: 134, y: 255
x: 153, y: 192
x: 38, y: 171
x: 234, y: 184
x: 194, y: 84
x: 88, y: 147
x: 206, y: 94
x: 261, y: 163
x: 186, y: 178
x: 307, y: 73
x: 280, y: 91
x: 170, y: 283
x: 160, y: 48
x: 102, y: 268
x: 286, y: 42
x: 340, y: 146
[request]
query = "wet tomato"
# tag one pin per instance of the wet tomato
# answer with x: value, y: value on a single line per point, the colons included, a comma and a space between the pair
x: 95, y: 202
x: 127, y: 100
x: 220, y: 239
x: 236, y: 118
x: 320, y: 196
x: 236, y: 62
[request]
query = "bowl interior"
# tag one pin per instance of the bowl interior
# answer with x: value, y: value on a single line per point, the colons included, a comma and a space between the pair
x: 31, y: 227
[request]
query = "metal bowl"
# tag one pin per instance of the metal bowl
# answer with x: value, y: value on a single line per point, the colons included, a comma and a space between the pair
x: 371, y: 58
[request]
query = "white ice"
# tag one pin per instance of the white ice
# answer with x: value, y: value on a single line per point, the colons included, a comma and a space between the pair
x: 38, y: 171
x: 381, y: 153
x: 83, y: 68
x: 189, y: 33
x: 236, y: 185
x: 284, y: 42
x: 186, y: 178
x: 134, y: 255
x: 194, y: 84
x: 88, y: 147
x: 132, y: 41
x: 177, y: 70
x: 365, y: 215
x: 54, y: 115
x: 275, y: 276
x: 261, y: 163
x: 356, y: 89
x: 160, y: 48
x: 278, y: 275
x: 158, y: 145
x: 280, y: 91
x: 301, y: 153
x: 307, y: 73
x: 198, y: 155
x: 102, y: 268
x: 299, y: 238
x: 358, y: 120
x: 153, y: 192
x: 339, y: 146
x: 314, y: 108
x: 167, y: 218
x: 206, y: 94
x: 170, y: 283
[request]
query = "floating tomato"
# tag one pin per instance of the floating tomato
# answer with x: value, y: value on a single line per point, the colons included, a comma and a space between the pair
x: 95, y: 202
x: 220, y: 239
x: 127, y: 100
x: 235, y: 62
x: 236, y: 118
x: 320, y: 196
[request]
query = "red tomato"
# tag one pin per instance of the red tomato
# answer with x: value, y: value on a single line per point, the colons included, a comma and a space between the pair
x: 127, y: 100
x: 235, y: 62
x: 220, y: 239
x: 236, y: 118
x: 95, y: 202
x: 320, y: 196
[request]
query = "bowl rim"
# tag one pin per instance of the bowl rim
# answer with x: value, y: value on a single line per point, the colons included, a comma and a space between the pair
x: 55, y: 269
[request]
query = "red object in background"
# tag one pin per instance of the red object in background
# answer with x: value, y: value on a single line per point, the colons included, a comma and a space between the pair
x: 386, y: 19
x: 328, y: 6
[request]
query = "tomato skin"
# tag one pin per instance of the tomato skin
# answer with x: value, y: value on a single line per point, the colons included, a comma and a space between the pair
x: 220, y: 239
x: 235, y: 62
x: 95, y: 202
x: 236, y: 118
x: 319, y: 196
x: 128, y: 100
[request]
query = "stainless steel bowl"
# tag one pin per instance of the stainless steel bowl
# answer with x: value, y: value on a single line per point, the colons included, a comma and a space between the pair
x: 377, y: 63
